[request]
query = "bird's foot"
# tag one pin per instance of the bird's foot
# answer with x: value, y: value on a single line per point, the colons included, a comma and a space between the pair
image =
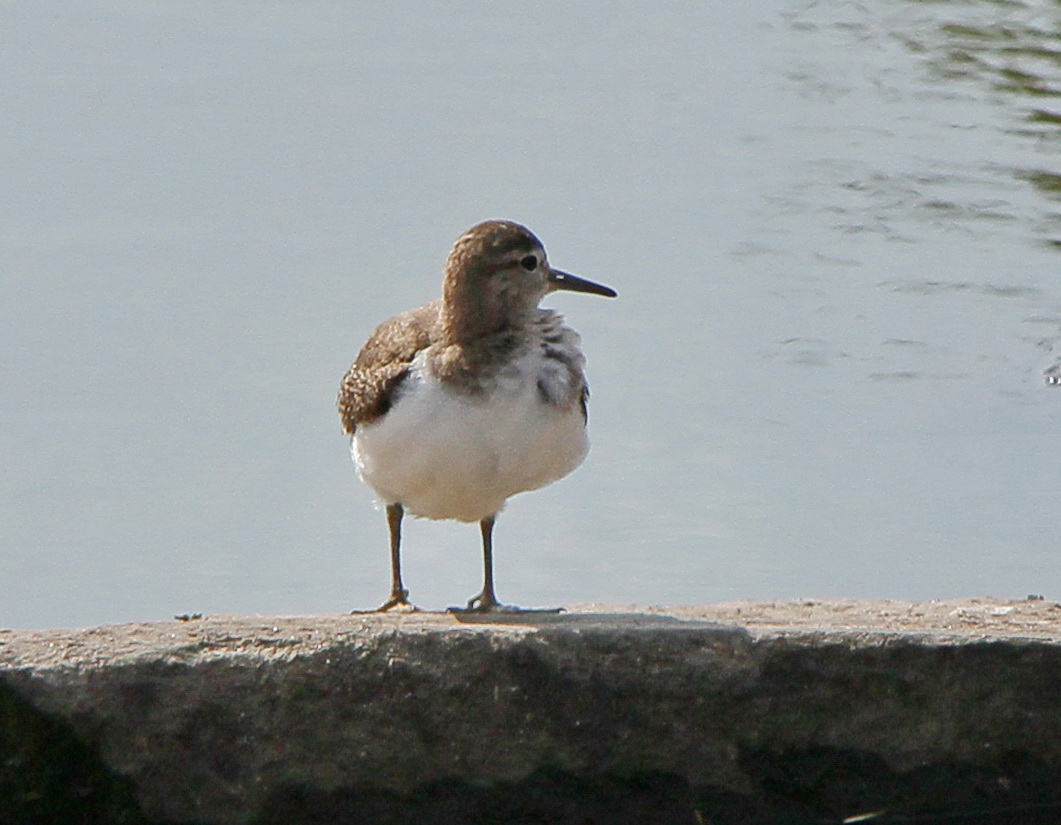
x: 398, y: 601
x: 485, y: 608
x: 480, y: 604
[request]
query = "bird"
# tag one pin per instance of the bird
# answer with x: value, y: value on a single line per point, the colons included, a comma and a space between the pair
x: 456, y: 406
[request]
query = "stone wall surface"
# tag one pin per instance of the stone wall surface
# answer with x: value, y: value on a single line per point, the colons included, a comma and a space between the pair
x: 785, y: 712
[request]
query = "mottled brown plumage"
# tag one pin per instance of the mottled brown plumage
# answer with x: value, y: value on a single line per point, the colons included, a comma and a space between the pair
x: 470, y: 332
x: 366, y: 389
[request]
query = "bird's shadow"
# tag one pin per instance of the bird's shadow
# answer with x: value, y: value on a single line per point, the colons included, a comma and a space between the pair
x: 555, y: 618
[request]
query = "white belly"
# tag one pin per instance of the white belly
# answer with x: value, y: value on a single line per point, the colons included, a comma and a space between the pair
x: 447, y: 456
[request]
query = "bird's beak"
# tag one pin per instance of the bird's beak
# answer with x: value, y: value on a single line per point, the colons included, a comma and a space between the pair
x: 572, y: 283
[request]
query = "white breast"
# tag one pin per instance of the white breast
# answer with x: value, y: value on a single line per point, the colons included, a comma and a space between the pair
x: 448, y: 456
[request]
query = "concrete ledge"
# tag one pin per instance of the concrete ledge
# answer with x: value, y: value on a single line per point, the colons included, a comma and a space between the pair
x: 787, y: 712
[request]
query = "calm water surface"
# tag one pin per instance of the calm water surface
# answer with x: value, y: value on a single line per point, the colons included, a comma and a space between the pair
x: 835, y: 229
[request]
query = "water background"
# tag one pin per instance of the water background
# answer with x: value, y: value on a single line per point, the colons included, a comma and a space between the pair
x: 835, y: 229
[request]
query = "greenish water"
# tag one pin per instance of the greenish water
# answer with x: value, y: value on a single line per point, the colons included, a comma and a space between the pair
x: 834, y: 228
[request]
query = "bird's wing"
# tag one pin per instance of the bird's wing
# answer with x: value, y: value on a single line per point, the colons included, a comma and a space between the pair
x: 368, y: 388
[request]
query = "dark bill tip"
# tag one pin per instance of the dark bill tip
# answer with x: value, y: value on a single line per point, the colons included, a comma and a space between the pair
x: 572, y: 283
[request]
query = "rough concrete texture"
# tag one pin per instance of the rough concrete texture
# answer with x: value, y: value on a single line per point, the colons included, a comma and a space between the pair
x: 739, y: 713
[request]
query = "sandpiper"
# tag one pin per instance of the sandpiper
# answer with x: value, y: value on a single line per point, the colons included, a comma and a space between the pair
x: 455, y: 406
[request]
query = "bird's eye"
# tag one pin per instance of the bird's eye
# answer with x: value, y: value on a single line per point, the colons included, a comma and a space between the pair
x: 529, y: 262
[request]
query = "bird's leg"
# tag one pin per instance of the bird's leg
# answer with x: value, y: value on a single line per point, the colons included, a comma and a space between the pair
x: 399, y: 595
x: 486, y: 599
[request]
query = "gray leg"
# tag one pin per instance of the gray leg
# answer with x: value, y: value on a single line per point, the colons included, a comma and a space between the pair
x: 486, y: 599
x: 399, y: 595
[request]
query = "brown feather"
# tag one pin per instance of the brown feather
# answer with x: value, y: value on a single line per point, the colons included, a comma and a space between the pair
x: 367, y: 390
